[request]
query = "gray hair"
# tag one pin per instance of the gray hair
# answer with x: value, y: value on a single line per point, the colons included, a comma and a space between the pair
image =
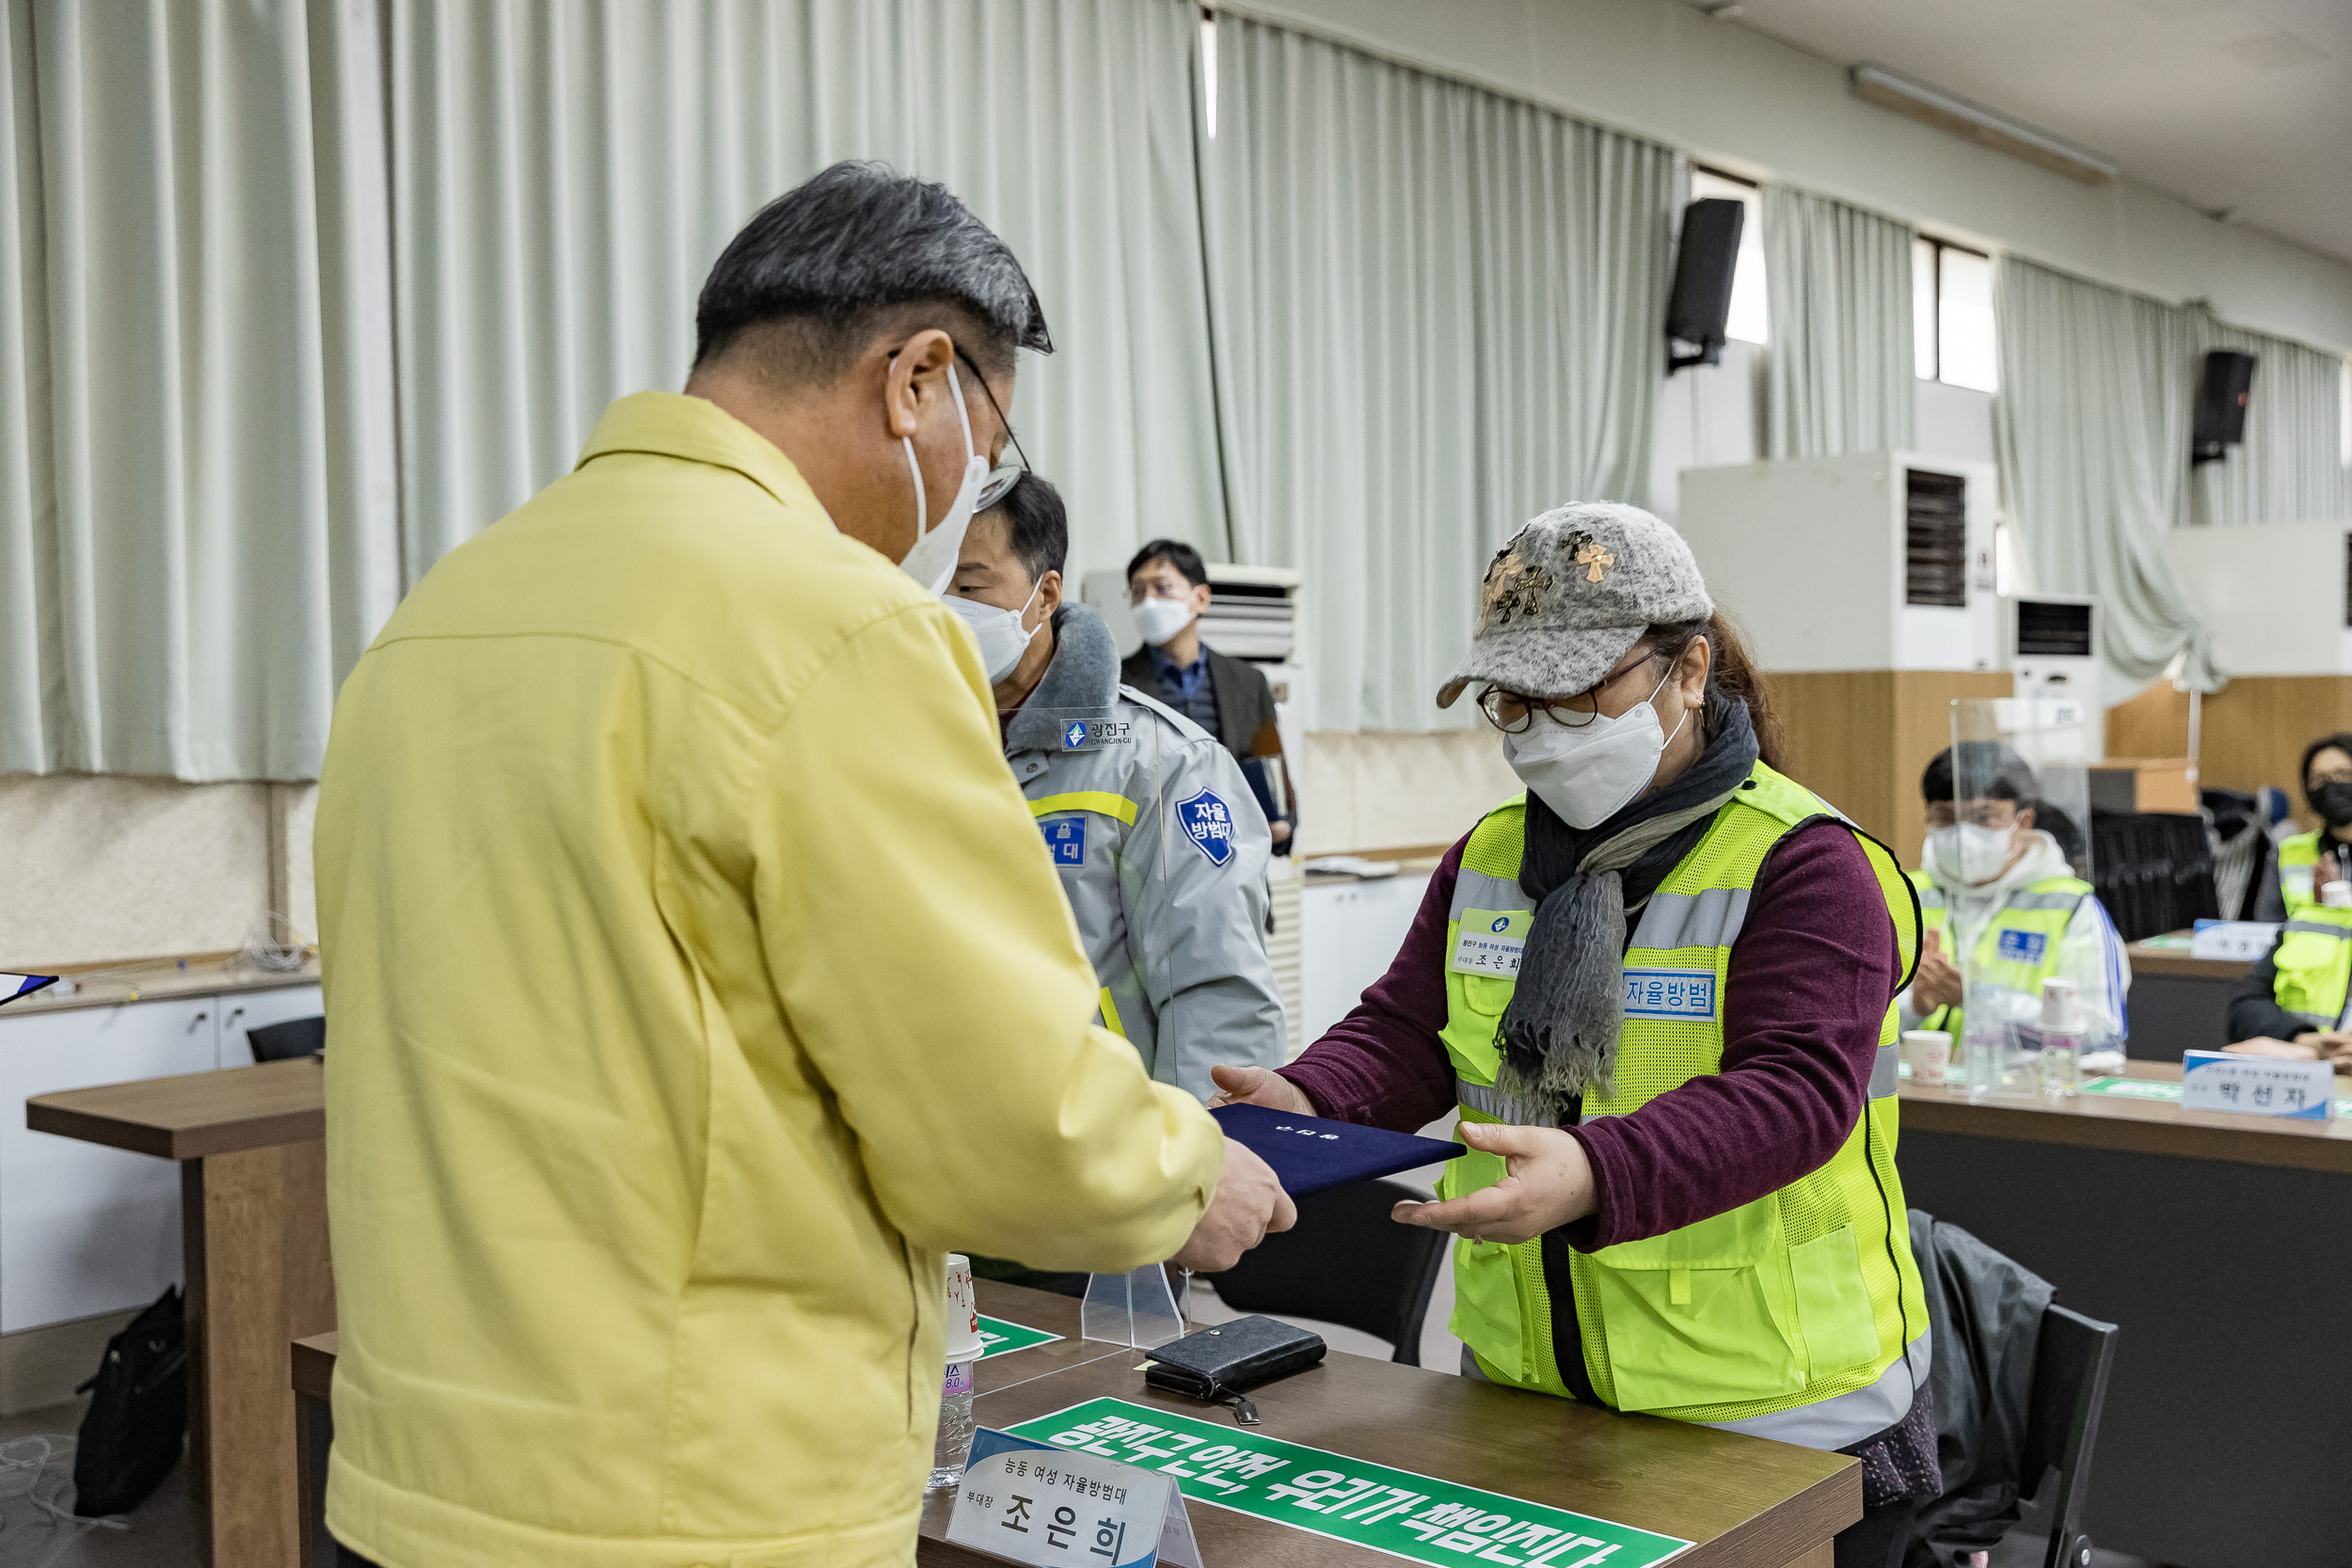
x: 860, y: 238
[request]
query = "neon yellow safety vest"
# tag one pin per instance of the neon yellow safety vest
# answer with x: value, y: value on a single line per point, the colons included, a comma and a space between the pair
x: 2019, y: 947
x: 2314, y: 961
x: 2297, y: 858
x: 1783, y: 1305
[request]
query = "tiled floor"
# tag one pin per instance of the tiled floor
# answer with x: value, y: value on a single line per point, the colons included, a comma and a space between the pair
x: 162, y: 1532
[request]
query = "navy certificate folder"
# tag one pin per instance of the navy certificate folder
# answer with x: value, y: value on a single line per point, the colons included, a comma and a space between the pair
x: 1310, y: 1155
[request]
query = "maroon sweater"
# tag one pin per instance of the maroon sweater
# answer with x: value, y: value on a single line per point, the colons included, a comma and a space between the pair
x: 1812, y: 972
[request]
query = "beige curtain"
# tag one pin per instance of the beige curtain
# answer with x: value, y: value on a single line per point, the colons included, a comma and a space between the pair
x: 197, y: 496
x: 1437, y: 312
x: 1838, y: 369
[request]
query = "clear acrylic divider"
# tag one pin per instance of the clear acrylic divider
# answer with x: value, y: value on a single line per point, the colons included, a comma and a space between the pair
x: 1138, y: 1308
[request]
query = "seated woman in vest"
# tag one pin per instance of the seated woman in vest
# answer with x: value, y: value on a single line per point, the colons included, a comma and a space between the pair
x: 2294, y: 1004
x: 1659, y: 988
x: 1997, y: 887
x: 2307, y: 861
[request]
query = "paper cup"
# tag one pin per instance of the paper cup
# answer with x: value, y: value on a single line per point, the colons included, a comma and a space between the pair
x: 964, y: 1311
x: 2336, y: 896
x: 1930, y: 1053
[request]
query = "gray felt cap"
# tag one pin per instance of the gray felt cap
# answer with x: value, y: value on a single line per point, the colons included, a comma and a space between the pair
x: 1570, y: 594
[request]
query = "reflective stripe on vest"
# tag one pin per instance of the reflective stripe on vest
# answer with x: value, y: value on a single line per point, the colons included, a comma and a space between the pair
x: 2019, y: 947
x: 1795, y: 1310
x: 2314, y: 964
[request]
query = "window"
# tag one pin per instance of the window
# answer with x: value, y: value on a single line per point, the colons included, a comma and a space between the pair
x: 1951, y: 316
x: 1746, y: 320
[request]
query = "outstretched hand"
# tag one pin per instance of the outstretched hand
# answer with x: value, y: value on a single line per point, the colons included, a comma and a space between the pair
x: 1255, y: 1085
x: 1546, y: 1181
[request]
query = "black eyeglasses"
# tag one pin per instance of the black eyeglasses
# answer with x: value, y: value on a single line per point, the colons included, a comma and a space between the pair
x: 1002, y: 477
x: 1512, y: 712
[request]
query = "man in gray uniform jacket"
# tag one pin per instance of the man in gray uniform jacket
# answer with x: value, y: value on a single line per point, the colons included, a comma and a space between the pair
x: 1160, y: 844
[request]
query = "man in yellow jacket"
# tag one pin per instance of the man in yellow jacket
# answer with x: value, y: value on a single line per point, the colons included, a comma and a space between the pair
x: 695, y: 974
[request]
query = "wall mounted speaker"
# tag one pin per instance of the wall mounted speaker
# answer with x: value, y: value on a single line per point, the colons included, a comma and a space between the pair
x: 2222, y: 396
x: 1701, y: 301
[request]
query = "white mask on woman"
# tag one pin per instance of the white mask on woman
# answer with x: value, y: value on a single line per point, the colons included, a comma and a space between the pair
x: 1587, y: 772
x: 932, y: 560
x: 1002, y: 637
x: 1160, y: 620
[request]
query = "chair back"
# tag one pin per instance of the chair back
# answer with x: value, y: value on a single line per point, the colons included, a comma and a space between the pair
x: 2070, y: 1383
x: 282, y: 1042
x: 1346, y: 1262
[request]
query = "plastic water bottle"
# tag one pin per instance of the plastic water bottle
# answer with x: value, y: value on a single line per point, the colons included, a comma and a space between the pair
x: 955, y: 1428
x: 2062, y: 1040
x: 954, y: 1444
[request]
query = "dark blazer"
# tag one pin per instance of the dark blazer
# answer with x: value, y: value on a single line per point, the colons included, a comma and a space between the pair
x: 1245, y: 715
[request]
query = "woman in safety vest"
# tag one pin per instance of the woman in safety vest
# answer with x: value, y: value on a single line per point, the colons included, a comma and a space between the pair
x: 1996, y: 886
x: 2292, y: 881
x: 1659, y: 986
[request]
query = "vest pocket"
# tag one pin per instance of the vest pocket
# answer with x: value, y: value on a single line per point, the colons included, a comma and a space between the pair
x: 1834, y: 1304
x: 1691, y: 1315
x: 1486, y: 996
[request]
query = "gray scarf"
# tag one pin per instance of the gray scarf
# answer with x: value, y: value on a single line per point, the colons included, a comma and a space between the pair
x: 1559, y: 1035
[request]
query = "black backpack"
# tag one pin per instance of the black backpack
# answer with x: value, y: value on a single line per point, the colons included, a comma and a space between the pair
x: 137, y: 1420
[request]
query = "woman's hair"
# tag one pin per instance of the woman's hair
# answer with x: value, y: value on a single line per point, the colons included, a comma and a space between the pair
x: 1731, y: 675
x: 2341, y: 742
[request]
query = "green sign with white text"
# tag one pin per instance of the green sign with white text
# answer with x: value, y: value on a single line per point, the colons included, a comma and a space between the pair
x: 1416, y: 1518
x: 2163, y: 1090
x: 999, y: 1338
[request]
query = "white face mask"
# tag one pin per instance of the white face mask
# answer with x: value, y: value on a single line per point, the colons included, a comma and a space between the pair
x: 1587, y: 772
x: 1160, y: 620
x: 1969, y: 855
x: 932, y: 560
x: 1002, y: 637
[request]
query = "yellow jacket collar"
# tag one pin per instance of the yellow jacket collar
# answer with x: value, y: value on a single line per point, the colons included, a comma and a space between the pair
x: 671, y: 425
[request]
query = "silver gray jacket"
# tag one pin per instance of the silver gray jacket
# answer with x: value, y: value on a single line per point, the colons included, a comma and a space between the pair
x: 1161, y: 850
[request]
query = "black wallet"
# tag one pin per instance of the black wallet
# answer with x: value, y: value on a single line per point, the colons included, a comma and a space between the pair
x: 1219, y: 1364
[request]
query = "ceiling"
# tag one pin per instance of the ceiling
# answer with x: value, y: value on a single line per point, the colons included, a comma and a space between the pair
x: 2244, y: 106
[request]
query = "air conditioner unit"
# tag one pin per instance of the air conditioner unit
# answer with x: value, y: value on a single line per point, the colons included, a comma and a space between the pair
x: 2276, y: 596
x: 2050, y: 646
x: 1872, y: 561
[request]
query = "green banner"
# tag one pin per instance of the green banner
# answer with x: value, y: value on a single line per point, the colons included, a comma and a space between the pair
x: 2164, y: 1090
x: 999, y: 1338
x: 1416, y: 1518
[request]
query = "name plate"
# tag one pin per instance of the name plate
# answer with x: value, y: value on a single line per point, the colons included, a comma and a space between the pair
x: 1029, y: 1502
x: 1490, y: 941
x: 2231, y: 939
x: 2257, y: 1086
x: 999, y: 1338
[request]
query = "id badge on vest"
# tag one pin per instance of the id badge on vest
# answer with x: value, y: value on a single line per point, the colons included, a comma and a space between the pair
x: 1490, y: 941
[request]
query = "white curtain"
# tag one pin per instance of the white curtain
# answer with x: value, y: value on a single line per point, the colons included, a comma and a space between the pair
x: 2291, y: 467
x: 197, y: 501
x: 1838, y: 280
x: 566, y: 173
x: 2092, y: 426
x: 1437, y: 312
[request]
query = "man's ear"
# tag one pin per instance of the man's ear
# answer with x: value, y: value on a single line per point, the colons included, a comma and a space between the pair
x: 2025, y: 817
x: 1199, y: 598
x: 914, y: 378
x: 1049, y: 592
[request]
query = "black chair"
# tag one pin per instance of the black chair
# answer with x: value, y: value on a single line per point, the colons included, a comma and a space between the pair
x: 1346, y: 1262
x: 2070, y: 1383
x: 285, y: 1042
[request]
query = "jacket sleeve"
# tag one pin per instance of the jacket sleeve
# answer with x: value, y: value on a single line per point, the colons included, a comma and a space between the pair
x: 925, y: 962
x: 1198, y: 926
x: 2091, y: 954
x: 2254, y: 1009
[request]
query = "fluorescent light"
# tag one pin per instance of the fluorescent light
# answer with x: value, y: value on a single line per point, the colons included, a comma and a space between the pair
x: 1948, y: 111
x: 1208, y: 70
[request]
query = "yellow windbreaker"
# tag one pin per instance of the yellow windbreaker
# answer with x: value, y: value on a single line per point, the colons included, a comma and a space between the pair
x: 696, y: 976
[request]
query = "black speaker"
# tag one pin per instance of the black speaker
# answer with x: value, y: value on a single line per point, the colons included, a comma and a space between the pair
x: 1702, y: 294
x: 2221, y: 405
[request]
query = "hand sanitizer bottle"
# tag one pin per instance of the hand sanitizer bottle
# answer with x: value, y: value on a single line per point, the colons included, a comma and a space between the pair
x: 2062, y: 1040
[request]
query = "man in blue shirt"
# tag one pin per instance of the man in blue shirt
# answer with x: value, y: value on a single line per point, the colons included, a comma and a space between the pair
x: 1167, y: 589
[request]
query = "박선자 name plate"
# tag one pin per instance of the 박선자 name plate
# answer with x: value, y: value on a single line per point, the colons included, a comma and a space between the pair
x: 2257, y: 1086
x: 2247, y: 940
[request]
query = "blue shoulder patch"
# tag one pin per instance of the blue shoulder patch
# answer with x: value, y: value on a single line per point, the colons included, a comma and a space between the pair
x: 1208, y: 821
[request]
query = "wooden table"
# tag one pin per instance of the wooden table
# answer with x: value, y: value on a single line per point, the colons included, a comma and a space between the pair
x: 2178, y: 1003
x: 253, y: 1225
x: 1744, y: 1501
x: 2222, y: 1245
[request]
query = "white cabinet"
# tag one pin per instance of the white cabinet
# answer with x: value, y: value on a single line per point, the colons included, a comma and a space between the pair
x: 1348, y: 936
x: 86, y: 1229
x: 257, y: 1009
